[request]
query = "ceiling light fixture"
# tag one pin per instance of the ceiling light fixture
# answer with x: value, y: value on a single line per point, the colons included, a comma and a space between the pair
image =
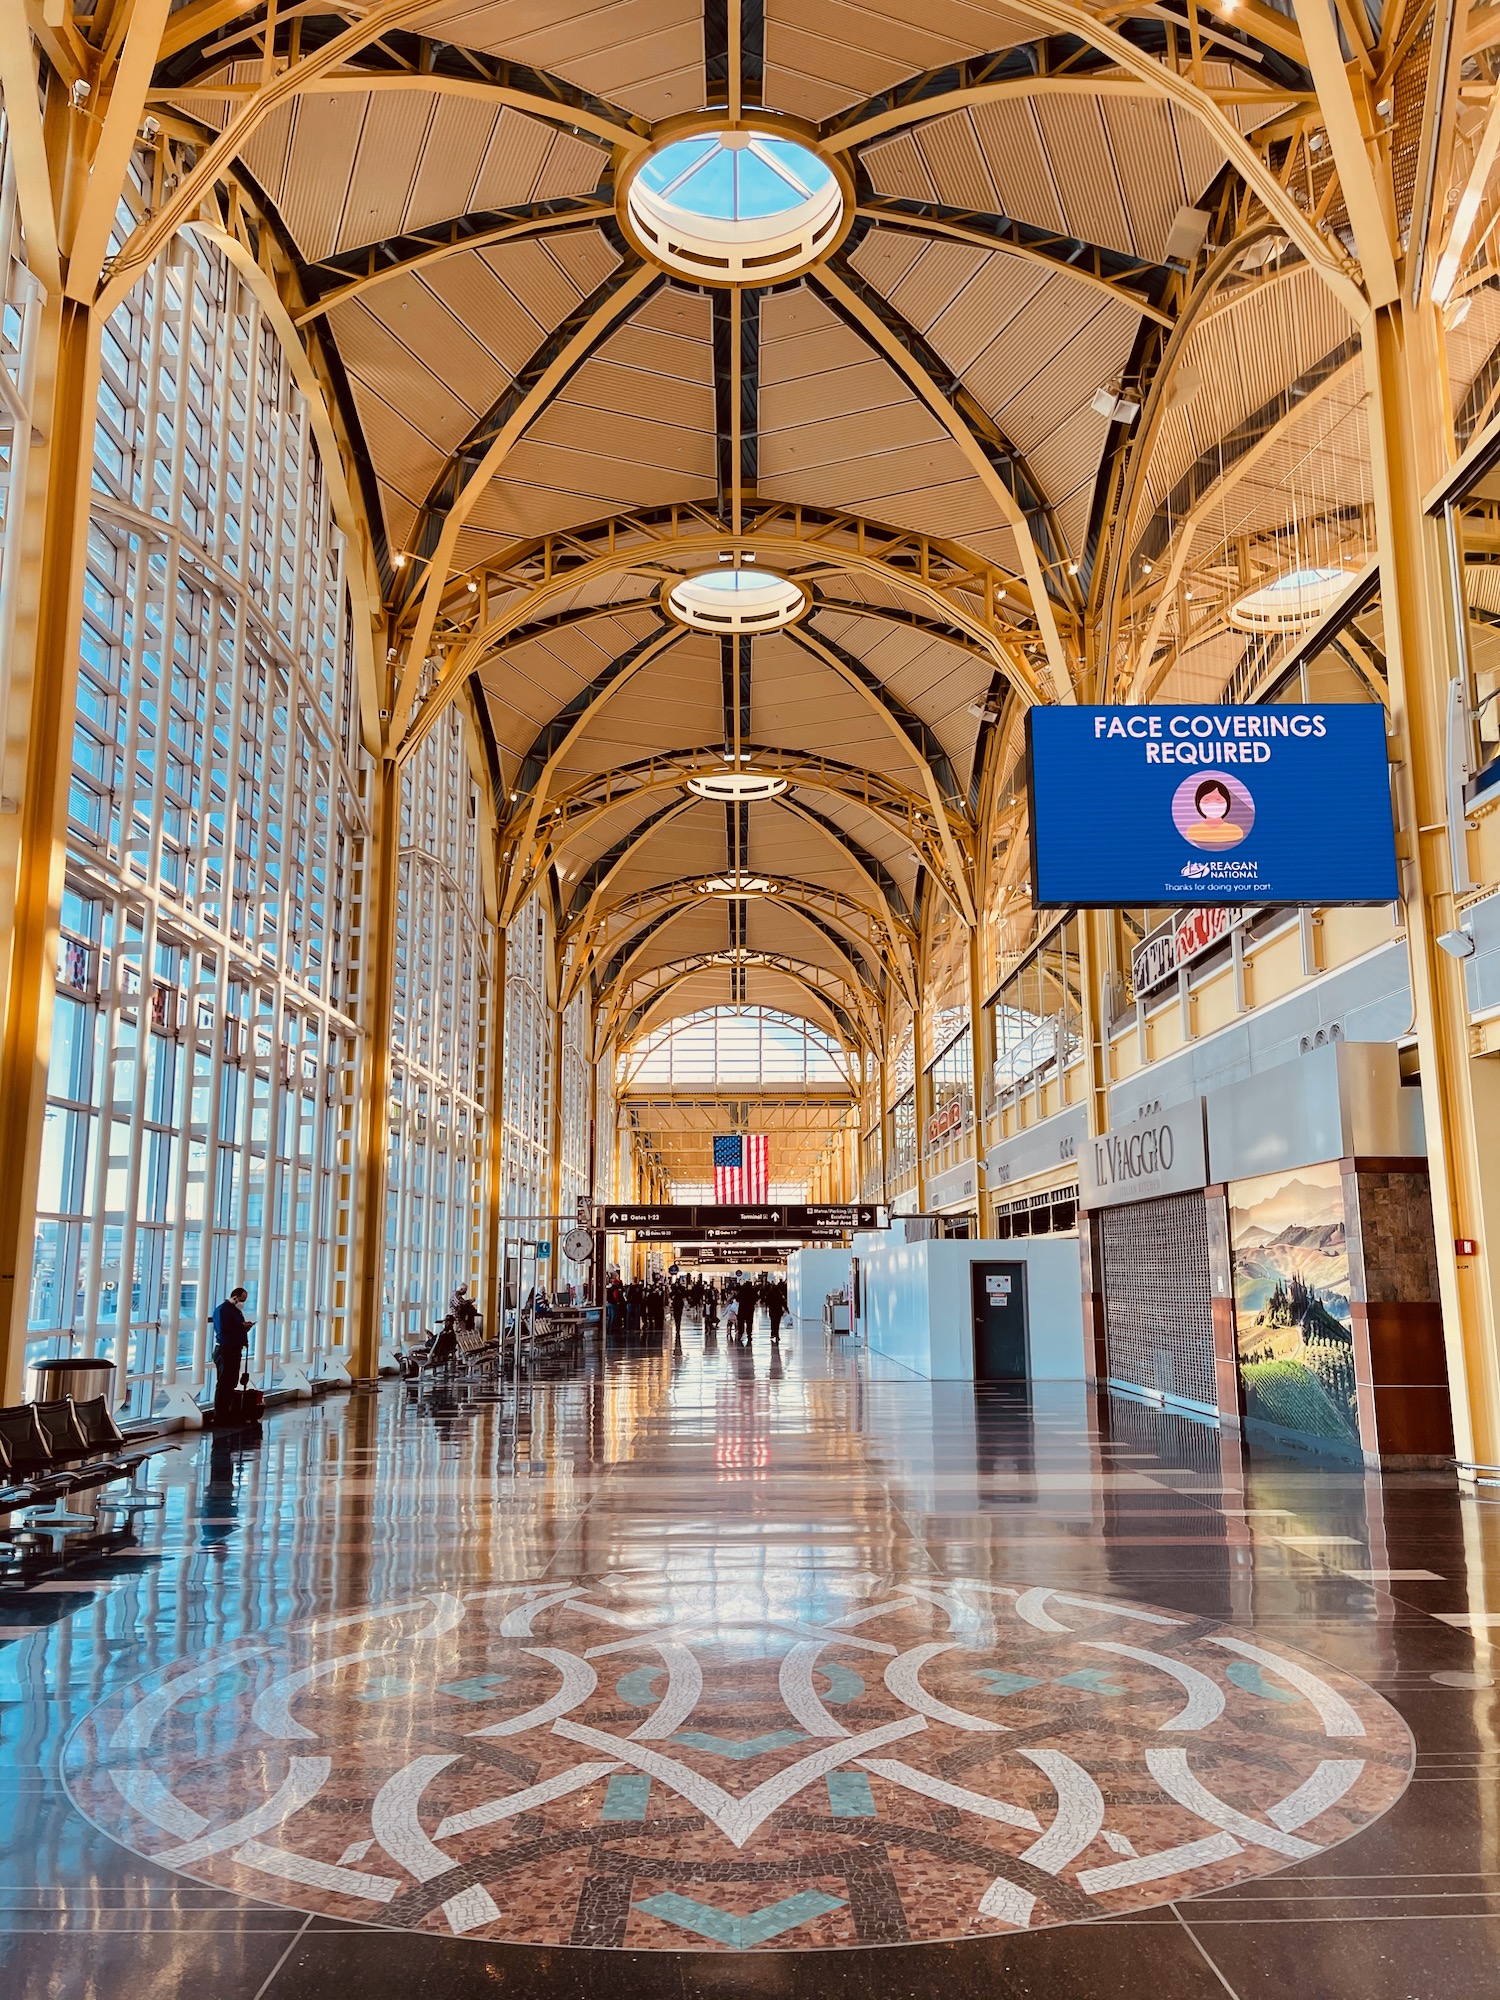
x: 736, y: 599
x: 1112, y: 402
x: 739, y: 786
x: 734, y: 207
x: 738, y: 885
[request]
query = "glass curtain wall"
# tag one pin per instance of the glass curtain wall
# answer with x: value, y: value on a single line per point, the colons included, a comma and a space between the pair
x: 440, y: 1001
x: 526, y: 1174
x: 737, y: 1045
x: 577, y: 1106
x: 1037, y: 1015
x: 202, y: 1088
x: 950, y: 1090
x: 903, y: 1145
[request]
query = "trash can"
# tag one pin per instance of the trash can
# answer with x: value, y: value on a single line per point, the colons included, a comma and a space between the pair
x: 46, y: 1381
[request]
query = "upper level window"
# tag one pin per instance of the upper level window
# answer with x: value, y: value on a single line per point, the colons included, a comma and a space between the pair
x: 728, y: 1045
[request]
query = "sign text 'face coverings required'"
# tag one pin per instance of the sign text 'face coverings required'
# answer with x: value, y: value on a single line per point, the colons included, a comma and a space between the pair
x: 1133, y: 806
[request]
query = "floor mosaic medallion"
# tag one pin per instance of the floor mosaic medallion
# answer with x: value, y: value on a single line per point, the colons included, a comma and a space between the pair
x: 791, y: 1762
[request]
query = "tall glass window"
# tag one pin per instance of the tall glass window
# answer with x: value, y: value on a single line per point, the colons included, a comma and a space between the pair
x: 527, y: 1173
x: 903, y: 1148
x: 577, y: 1108
x: 950, y: 1090
x: 440, y: 992
x: 1037, y: 1015
x: 737, y: 1045
x: 202, y: 1099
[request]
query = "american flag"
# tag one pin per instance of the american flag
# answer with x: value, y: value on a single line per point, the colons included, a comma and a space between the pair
x: 741, y: 1170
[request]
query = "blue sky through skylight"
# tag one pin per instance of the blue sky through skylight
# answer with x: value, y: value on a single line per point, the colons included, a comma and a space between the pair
x: 765, y: 177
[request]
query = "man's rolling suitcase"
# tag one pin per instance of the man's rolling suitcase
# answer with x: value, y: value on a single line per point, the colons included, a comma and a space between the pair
x: 249, y: 1404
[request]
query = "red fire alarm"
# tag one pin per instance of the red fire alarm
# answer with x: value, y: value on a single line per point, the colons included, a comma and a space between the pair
x: 1466, y: 1246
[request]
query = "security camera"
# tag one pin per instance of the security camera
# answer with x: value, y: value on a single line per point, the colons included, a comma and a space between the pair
x: 1457, y: 944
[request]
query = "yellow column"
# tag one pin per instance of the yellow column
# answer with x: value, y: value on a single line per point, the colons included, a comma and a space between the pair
x: 375, y: 1121
x: 979, y: 1053
x: 1410, y: 430
x: 1093, y: 976
x: 44, y: 688
x: 885, y: 1113
x: 919, y: 1101
x: 555, y: 1144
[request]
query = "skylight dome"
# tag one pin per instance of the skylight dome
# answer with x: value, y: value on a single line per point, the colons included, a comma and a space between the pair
x: 734, y: 599
x: 738, y: 885
x: 735, y: 207
x: 1297, y: 597
x: 737, y: 785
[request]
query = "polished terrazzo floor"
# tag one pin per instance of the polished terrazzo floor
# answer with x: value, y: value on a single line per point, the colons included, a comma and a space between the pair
x: 753, y: 1670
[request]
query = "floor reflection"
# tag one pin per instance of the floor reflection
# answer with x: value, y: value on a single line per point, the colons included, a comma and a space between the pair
x: 733, y: 1466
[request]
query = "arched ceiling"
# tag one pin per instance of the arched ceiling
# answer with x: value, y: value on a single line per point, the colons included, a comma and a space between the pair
x: 1049, y: 202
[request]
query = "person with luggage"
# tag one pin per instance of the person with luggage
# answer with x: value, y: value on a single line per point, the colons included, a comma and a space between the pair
x: 777, y: 1303
x: 231, y: 1345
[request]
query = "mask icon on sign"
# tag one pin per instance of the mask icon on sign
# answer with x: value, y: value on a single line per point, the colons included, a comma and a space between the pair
x: 1213, y: 813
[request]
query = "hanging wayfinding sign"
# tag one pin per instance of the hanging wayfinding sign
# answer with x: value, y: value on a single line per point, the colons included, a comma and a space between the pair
x: 808, y: 1219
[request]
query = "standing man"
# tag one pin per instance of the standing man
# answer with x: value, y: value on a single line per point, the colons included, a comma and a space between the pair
x: 231, y: 1344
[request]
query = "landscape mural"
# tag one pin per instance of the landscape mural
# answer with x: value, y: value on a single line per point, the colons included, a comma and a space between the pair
x: 1291, y: 1298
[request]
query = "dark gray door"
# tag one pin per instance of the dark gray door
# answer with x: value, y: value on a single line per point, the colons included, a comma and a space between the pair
x: 1001, y: 1348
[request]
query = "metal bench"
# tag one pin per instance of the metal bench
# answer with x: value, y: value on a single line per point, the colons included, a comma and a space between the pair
x: 51, y: 1452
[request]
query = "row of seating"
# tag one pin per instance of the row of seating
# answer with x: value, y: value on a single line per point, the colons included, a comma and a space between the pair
x: 469, y: 1350
x: 52, y: 1452
x: 451, y: 1348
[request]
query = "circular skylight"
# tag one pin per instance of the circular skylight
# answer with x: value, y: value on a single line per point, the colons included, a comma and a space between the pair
x: 735, y: 208
x: 738, y: 885
x: 1296, y: 598
x: 736, y: 600
x: 737, y: 785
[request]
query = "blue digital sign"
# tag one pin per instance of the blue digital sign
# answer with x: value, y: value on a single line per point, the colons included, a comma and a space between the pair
x: 1134, y: 806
